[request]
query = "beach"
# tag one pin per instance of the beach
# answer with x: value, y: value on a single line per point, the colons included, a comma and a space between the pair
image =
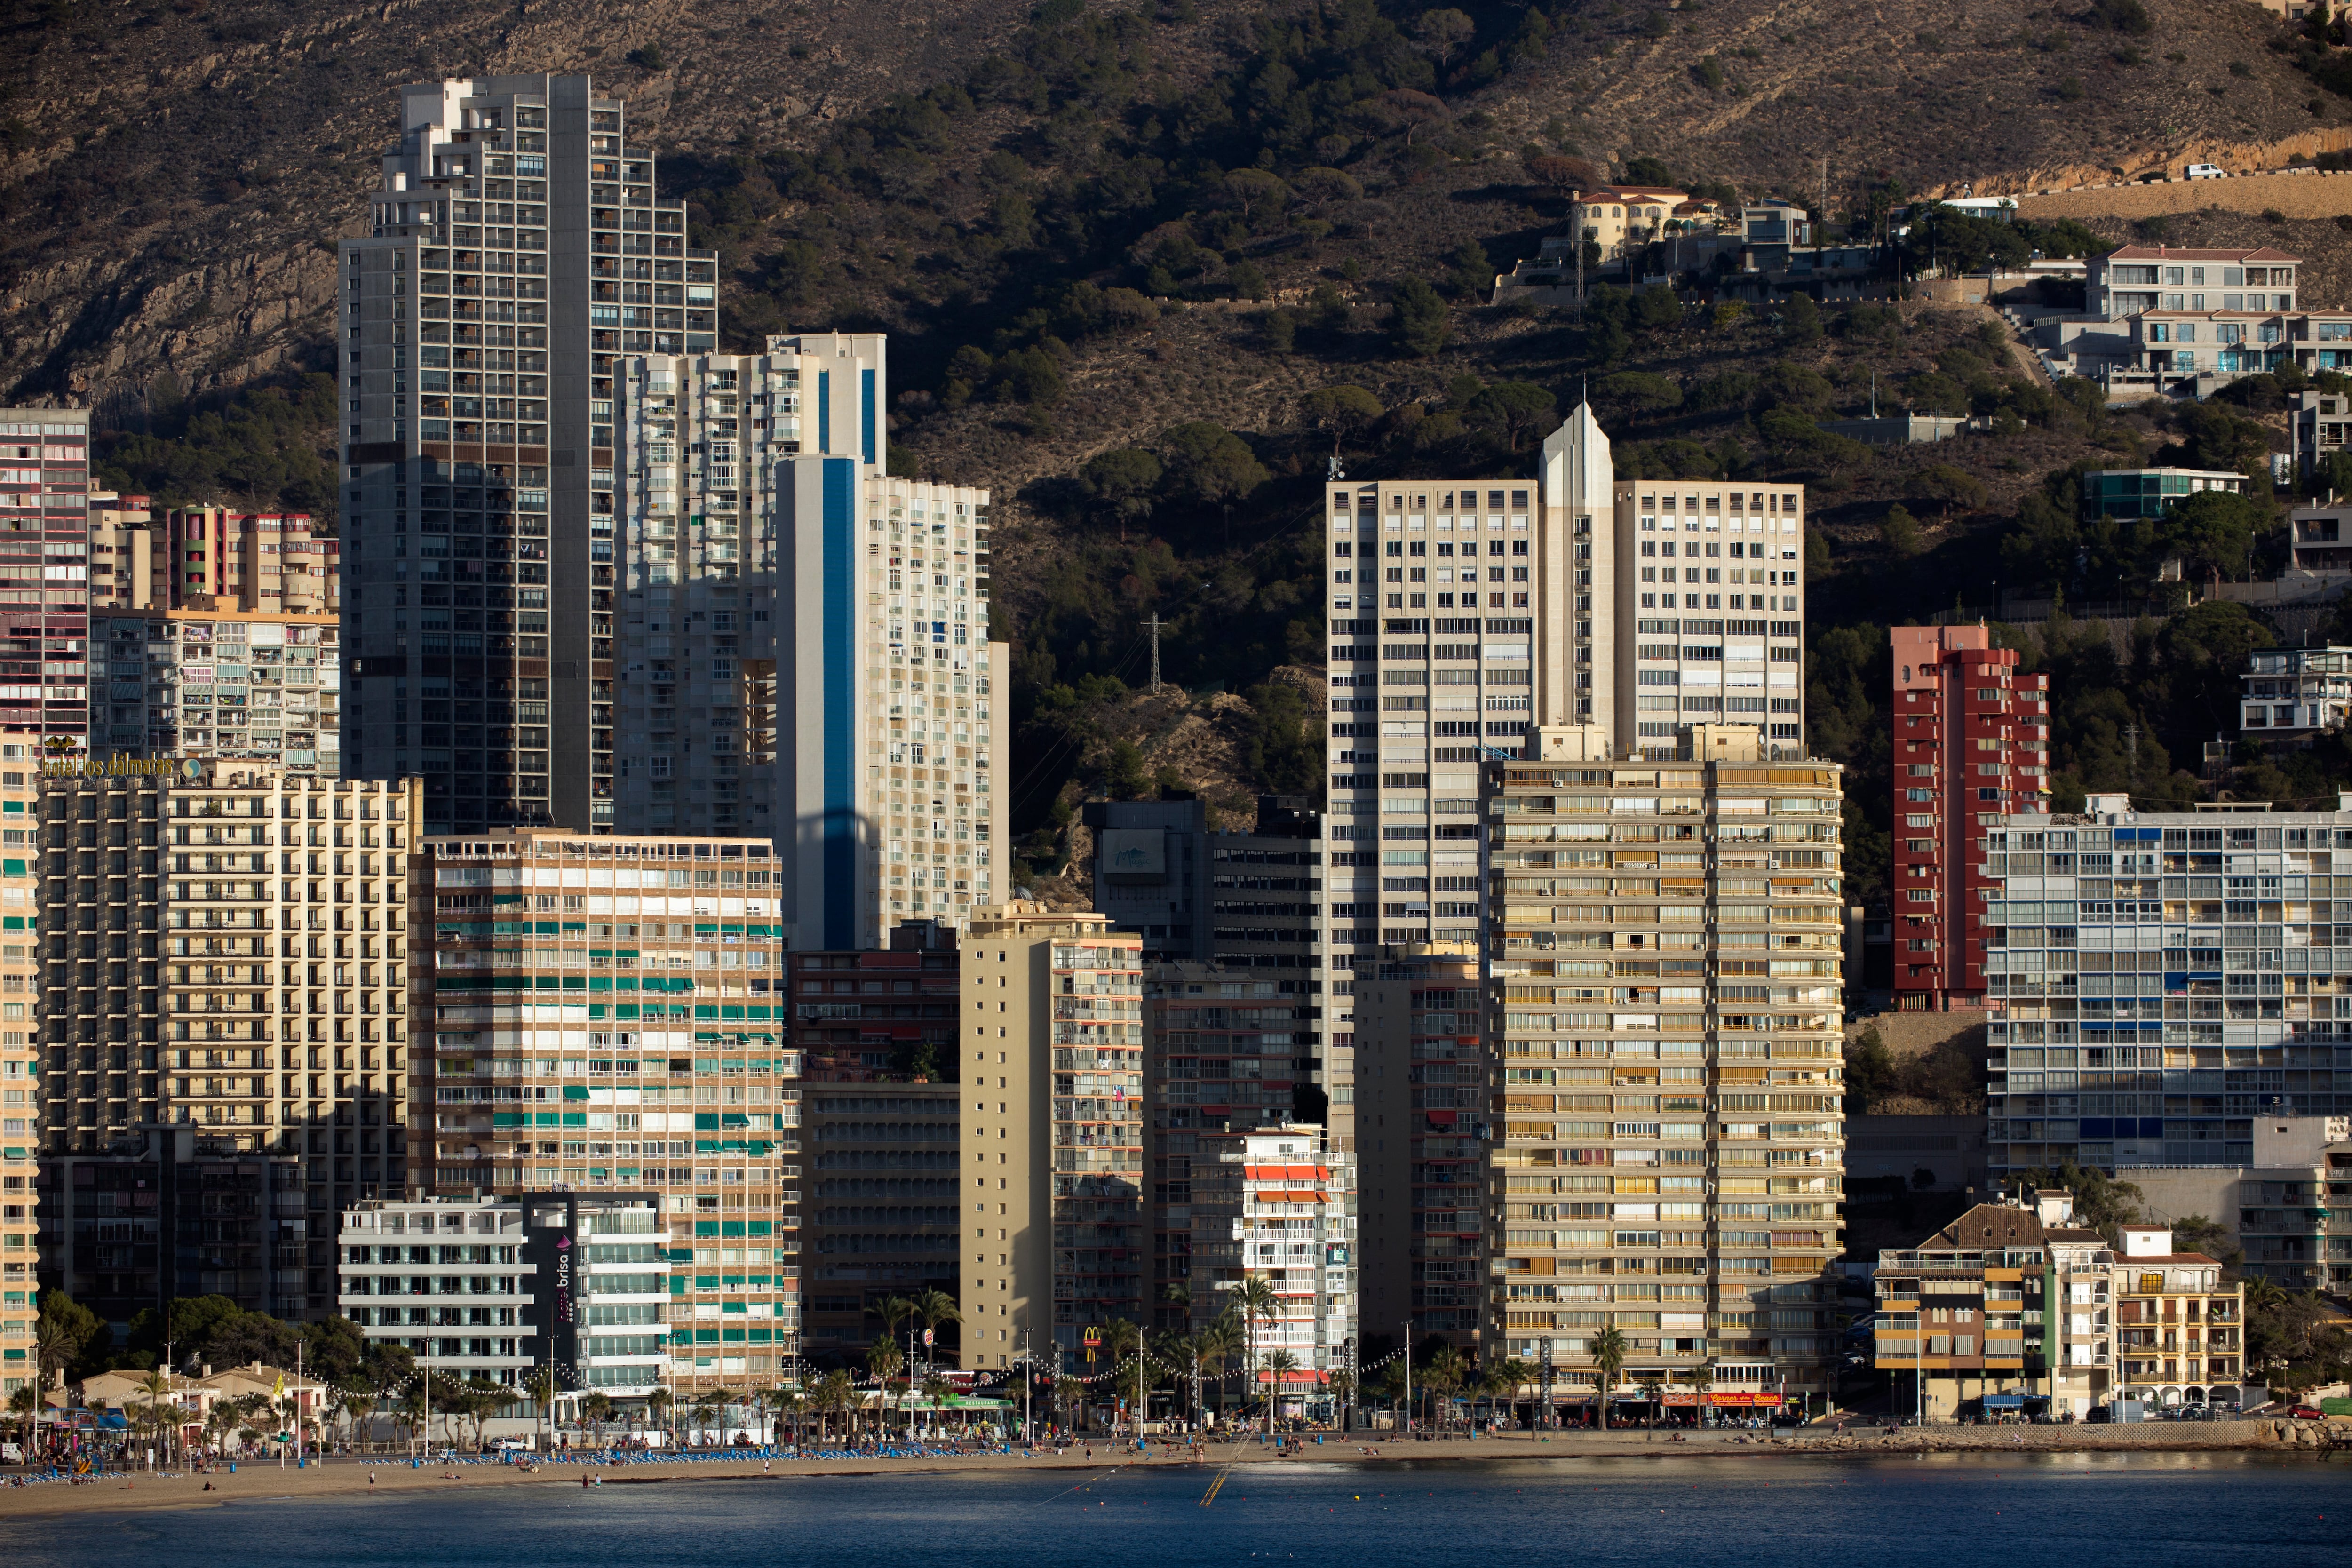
x: 265, y: 1480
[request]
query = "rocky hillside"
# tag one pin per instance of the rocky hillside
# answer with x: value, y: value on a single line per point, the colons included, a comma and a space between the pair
x: 173, y: 175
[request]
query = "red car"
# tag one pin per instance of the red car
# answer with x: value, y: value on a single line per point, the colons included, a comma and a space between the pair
x: 2307, y: 1413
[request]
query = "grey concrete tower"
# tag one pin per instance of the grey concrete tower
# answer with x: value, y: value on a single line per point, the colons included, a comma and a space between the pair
x: 513, y: 253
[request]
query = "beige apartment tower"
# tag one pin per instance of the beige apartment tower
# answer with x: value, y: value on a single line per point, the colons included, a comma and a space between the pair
x: 1667, y: 1059
x: 226, y: 949
x: 1052, y: 1118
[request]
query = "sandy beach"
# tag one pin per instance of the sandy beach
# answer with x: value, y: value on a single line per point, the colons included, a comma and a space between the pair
x: 265, y: 1481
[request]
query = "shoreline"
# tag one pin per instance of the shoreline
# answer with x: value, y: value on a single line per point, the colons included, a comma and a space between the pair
x: 348, y: 1476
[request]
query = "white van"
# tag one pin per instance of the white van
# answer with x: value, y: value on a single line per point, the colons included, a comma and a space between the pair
x: 2206, y: 172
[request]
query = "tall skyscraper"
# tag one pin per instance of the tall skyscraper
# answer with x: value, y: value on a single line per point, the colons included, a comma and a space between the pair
x: 227, y: 948
x: 1052, y: 1069
x: 515, y: 254
x: 20, y: 1058
x: 45, y: 577
x: 805, y: 639
x: 1562, y: 619
x: 1971, y: 748
x: 629, y: 1034
x: 1664, y: 969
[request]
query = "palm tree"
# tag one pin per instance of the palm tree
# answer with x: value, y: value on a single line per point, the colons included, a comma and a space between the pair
x: 884, y: 1363
x: 1702, y: 1384
x: 1654, y: 1392
x: 835, y: 1394
x: 657, y: 1406
x: 1255, y: 1299
x: 597, y: 1409
x: 1391, y: 1386
x: 1279, y: 1366
x: 937, y: 1390
x: 1218, y: 1340
x: 1123, y: 1338
x: 707, y: 1408
x: 935, y: 1308
x: 1608, y: 1356
x: 360, y: 1402
x: 1342, y: 1384
x: 895, y: 1311
x: 541, y: 1385
x: 1502, y: 1382
x: 1441, y: 1375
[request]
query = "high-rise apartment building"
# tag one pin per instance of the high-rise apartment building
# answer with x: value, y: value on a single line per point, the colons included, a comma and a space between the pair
x: 1279, y: 1205
x: 1664, y: 1041
x: 502, y: 1288
x: 1237, y: 915
x: 1971, y: 747
x: 174, y: 1210
x: 204, y: 684
x: 20, y: 1061
x: 225, y: 949
x: 879, y: 1125
x: 45, y: 577
x: 1416, y: 1073
x: 2161, y: 980
x: 1052, y: 1069
x: 1714, y: 649
x: 1572, y: 626
x: 779, y: 586
x: 1220, y: 1060
x: 515, y: 253
x: 607, y: 1012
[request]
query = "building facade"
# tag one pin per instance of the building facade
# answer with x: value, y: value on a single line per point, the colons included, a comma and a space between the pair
x: 2180, y: 1331
x: 1412, y: 1066
x: 629, y: 1035
x: 173, y: 1211
x: 1279, y: 1205
x: 227, y: 950
x: 515, y: 253
x: 1697, y: 654
x: 1052, y: 1112
x: 2278, y: 1206
x: 1435, y: 659
x: 1971, y: 747
x: 778, y: 583
x: 2012, y: 1300
x: 45, y: 577
x: 219, y: 685
x: 2289, y: 693
x: 879, y: 1122
x: 2161, y: 979
x: 1666, y: 969
x: 1221, y: 1058
x: 2132, y: 494
x: 215, y: 559
x: 20, y: 1059
x: 498, y: 1289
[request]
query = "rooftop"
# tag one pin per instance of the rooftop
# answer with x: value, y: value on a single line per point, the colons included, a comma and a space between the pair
x: 2173, y: 253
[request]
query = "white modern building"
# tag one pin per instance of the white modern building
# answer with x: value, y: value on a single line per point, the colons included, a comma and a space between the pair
x: 499, y: 1288
x: 2290, y: 691
x: 803, y: 640
x: 1279, y: 1205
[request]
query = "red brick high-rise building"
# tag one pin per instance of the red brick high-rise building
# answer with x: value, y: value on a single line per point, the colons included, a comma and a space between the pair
x: 1970, y: 744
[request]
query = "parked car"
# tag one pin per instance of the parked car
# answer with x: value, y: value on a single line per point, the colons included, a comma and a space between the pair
x: 2206, y: 172
x: 2307, y: 1413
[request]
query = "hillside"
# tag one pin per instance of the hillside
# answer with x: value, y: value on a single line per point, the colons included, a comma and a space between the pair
x: 1148, y: 270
